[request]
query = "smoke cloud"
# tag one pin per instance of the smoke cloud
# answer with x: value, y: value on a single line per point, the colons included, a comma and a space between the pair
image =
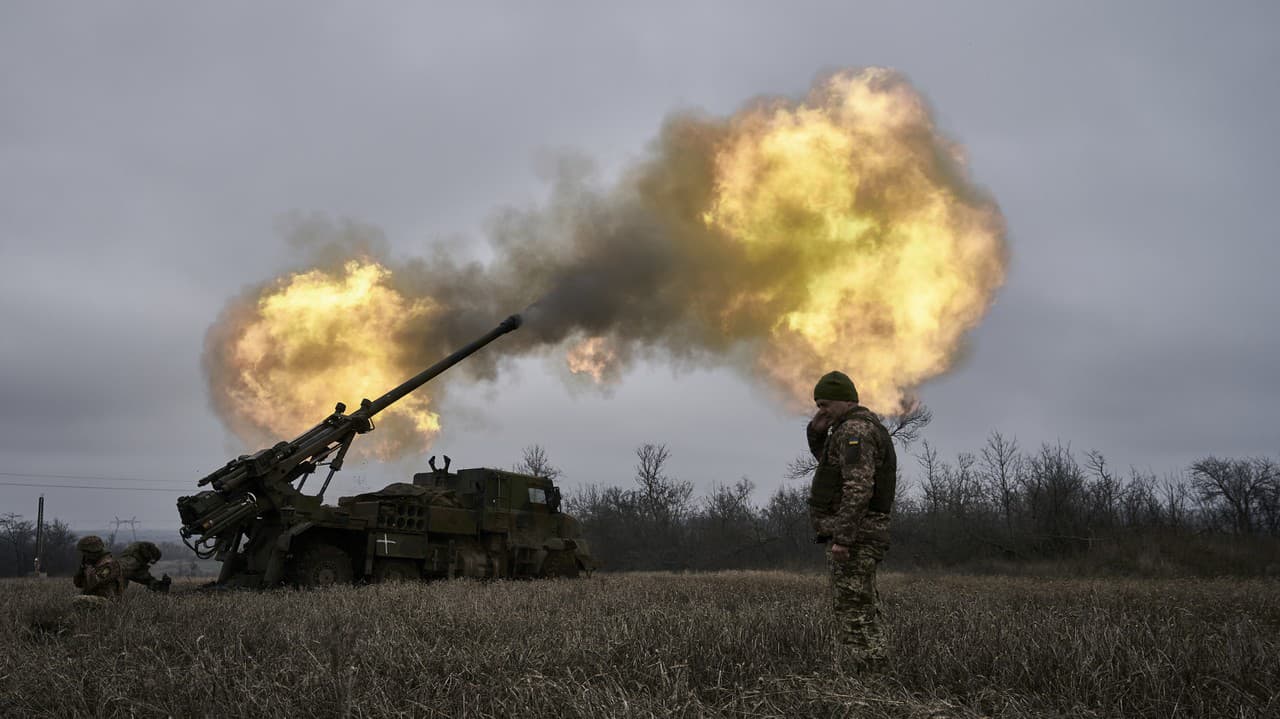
x: 840, y: 231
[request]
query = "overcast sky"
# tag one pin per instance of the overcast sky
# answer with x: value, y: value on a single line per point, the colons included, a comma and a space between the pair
x: 148, y: 152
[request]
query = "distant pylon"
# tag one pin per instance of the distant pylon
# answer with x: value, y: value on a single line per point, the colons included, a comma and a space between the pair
x: 133, y: 527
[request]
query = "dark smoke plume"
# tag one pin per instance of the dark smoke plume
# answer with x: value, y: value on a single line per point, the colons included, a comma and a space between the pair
x: 712, y: 249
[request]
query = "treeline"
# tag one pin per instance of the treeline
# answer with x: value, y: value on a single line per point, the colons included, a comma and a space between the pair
x: 18, y: 547
x: 996, y: 508
x: 1052, y: 503
x: 60, y: 558
x: 999, y: 507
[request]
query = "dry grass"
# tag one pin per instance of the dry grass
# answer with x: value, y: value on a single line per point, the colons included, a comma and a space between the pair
x: 699, y: 645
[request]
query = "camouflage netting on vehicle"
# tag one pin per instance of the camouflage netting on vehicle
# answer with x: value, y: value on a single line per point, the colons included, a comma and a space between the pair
x: 400, y: 490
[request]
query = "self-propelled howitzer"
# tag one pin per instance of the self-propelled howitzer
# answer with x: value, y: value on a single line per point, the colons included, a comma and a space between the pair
x: 256, y: 520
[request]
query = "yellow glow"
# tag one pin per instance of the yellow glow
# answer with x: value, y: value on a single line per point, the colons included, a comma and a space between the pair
x: 318, y: 338
x: 593, y: 357
x: 844, y: 196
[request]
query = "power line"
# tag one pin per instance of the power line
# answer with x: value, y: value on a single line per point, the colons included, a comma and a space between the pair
x: 92, y: 486
x: 38, y: 475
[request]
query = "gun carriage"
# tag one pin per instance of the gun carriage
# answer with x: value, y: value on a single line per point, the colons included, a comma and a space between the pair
x: 258, y: 522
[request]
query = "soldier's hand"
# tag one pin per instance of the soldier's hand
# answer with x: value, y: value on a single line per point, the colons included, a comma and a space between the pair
x: 839, y: 552
x: 819, y: 423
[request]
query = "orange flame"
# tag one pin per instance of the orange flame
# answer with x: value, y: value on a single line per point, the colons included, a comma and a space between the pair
x: 593, y: 357
x: 317, y: 337
x: 886, y: 265
x: 840, y: 232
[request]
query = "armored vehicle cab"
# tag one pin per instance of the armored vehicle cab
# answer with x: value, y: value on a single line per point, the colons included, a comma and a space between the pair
x: 473, y: 523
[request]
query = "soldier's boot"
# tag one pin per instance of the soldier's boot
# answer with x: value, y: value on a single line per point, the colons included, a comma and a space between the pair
x: 873, y: 665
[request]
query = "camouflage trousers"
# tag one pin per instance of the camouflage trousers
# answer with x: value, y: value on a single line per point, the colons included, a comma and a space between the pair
x: 856, y: 603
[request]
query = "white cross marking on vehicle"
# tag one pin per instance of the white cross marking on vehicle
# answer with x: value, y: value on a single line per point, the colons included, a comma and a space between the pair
x: 385, y: 542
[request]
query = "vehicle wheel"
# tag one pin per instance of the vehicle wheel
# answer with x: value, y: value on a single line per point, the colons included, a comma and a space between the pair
x: 560, y: 564
x: 396, y: 570
x: 322, y: 565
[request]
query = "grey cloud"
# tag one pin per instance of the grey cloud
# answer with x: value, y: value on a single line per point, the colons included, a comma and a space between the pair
x: 146, y: 154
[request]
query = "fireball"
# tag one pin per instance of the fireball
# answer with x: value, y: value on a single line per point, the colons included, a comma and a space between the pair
x: 840, y: 231
x: 853, y: 198
x: 314, y: 338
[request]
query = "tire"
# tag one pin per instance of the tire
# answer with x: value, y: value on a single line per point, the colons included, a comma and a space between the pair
x: 322, y: 565
x: 396, y: 570
x: 560, y: 563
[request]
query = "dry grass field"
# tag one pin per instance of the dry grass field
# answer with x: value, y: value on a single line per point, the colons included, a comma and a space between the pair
x: 751, y: 644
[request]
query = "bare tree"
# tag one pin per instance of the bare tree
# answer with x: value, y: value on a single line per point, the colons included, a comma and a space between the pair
x: 1175, y: 501
x: 534, y: 461
x: 19, y: 534
x: 905, y: 428
x: 932, y: 483
x: 1001, y: 465
x: 60, y: 555
x: 728, y: 528
x: 1104, y: 491
x: 800, y: 467
x: 730, y: 503
x: 664, y: 498
x: 787, y: 516
x: 1235, y: 486
x: 611, y: 517
x: 966, y: 489
x: 1054, y: 488
x: 1139, y: 503
x: 1269, y: 495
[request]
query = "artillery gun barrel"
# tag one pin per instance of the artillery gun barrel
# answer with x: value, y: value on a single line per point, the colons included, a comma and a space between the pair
x: 369, y: 410
x: 230, y: 508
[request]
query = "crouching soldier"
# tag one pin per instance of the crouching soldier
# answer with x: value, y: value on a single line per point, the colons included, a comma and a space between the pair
x: 99, y: 574
x: 135, y: 564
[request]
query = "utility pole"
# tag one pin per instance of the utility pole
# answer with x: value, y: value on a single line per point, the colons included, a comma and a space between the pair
x: 39, y: 571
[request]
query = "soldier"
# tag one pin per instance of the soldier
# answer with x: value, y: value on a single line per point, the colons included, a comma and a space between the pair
x: 135, y: 563
x: 99, y: 574
x: 849, y: 502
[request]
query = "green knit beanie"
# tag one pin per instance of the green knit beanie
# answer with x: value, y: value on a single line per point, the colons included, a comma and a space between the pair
x: 837, y: 386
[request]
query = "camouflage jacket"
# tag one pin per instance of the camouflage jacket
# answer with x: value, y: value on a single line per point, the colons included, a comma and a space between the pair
x: 852, y: 492
x: 101, y: 578
x: 136, y: 569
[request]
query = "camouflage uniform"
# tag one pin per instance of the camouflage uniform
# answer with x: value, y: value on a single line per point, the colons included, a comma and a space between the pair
x: 136, y: 561
x: 99, y: 574
x: 850, y: 502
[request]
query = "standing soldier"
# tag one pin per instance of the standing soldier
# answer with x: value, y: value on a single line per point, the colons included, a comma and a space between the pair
x: 850, y: 501
x: 99, y: 574
x: 135, y: 564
